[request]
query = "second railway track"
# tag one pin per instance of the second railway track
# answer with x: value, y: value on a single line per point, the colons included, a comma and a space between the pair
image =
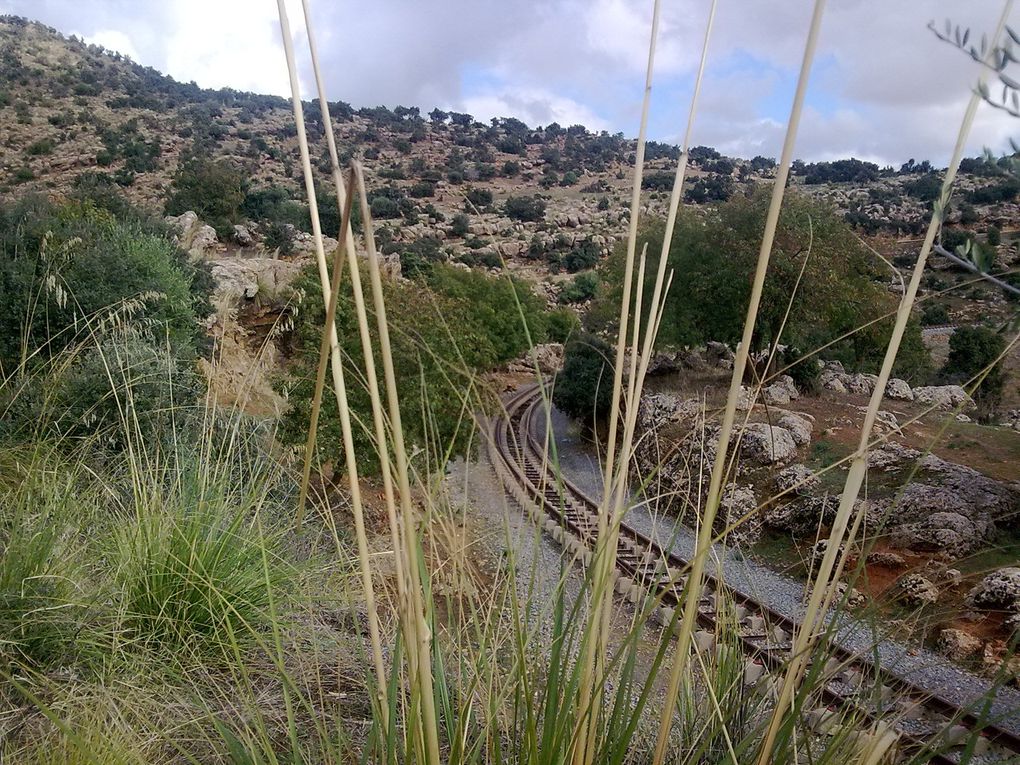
x: 922, y: 720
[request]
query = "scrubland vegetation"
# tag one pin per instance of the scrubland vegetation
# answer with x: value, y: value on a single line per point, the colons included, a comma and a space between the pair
x: 158, y: 602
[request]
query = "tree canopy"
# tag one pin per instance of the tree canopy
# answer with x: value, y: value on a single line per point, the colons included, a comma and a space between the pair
x: 713, y: 256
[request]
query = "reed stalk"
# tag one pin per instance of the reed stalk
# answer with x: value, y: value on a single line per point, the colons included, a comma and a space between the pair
x: 347, y: 236
x: 320, y: 374
x: 706, y: 523
x: 824, y: 586
x: 339, y: 384
x: 420, y: 641
x: 602, y: 593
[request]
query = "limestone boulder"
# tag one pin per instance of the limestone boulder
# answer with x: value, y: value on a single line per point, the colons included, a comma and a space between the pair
x: 799, y: 427
x: 798, y: 479
x: 998, y: 590
x: 546, y: 357
x: 943, y: 397
x: 958, y: 645
x: 767, y: 444
x: 658, y: 409
x: 915, y: 590
x: 899, y: 390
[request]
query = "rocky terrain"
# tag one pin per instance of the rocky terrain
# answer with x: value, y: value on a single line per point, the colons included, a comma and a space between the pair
x: 76, y: 115
x: 930, y: 519
x: 546, y: 202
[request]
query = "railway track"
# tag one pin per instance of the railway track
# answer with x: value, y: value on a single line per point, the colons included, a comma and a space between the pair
x: 877, y: 699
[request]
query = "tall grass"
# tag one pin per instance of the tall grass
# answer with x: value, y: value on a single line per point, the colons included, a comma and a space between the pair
x: 160, y: 605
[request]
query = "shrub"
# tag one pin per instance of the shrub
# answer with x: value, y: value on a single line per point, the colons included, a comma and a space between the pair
x: 422, y: 189
x: 934, y: 315
x: 582, y: 287
x: 528, y: 209
x: 477, y: 199
x: 584, y: 388
x: 90, y: 264
x: 971, y: 350
x: 460, y: 224
x: 385, y: 208
x: 511, y: 168
x: 585, y: 255
x: 41, y: 147
x: 215, y: 190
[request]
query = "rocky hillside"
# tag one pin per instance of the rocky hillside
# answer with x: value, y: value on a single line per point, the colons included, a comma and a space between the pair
x: 548, y: 198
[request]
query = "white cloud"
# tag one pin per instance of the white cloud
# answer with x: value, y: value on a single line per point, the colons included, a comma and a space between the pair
x: 113, y: 39
x: 534, y: 106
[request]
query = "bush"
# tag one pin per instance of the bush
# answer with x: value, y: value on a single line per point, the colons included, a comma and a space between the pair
x: 477, y: 199
x: 717, y: 249
x: 971, y: 350
x: 582, y: 287
x: 91, y: 264
x: 214, y: 190
x: 385, y: 208
x: 41, y: 147
x: 934, y: 315
x: 460, y: 224
x: 528, y: 209
x: 585, y: 255
x: 584, y: 388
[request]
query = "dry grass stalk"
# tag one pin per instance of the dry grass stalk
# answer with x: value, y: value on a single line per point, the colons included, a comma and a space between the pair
x: 419, y: 642
x: 339, y: 383
x: 344, y: 195
x: 602, y: 592
x: 706, y: 523
x: 822, y: 592
x: 320, y: 375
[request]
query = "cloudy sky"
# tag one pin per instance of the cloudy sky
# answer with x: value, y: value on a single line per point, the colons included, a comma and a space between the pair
x: 883, y: 88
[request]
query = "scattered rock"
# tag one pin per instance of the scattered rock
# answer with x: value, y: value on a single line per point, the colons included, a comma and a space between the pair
x: 775, y: 395
x: 999, y: 589
x: 798, y: 479
x: 766, y: 444
x: 744, y: 400
x: 739, y: 505
x: 833, y: 381
x: 957, y: 644
x: 243, y: 236
x: 885, y: 558
x: 917, y: 591
x: 657, y: 409
x: 248, y: 277
x: 899, y: 389
x: 719, y: 354
x: 853, y: 598
x: 799, y: 427
x: 203, y: 240
x: 548, y: 357
x: 943, y: 396
x: 861, y: 384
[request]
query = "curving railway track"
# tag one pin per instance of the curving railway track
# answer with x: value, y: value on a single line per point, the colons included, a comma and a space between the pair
x: 923, y: 720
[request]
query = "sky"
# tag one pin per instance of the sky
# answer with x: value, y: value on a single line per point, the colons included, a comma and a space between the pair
x: 883, y: 88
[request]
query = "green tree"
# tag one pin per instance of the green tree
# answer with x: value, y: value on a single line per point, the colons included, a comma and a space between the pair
x: 584, y: 388
x: 713, y: 256
x: 971, y: 351
x: 215, y: 190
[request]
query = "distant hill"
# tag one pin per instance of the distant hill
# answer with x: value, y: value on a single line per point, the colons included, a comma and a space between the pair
x: 77, y: 114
